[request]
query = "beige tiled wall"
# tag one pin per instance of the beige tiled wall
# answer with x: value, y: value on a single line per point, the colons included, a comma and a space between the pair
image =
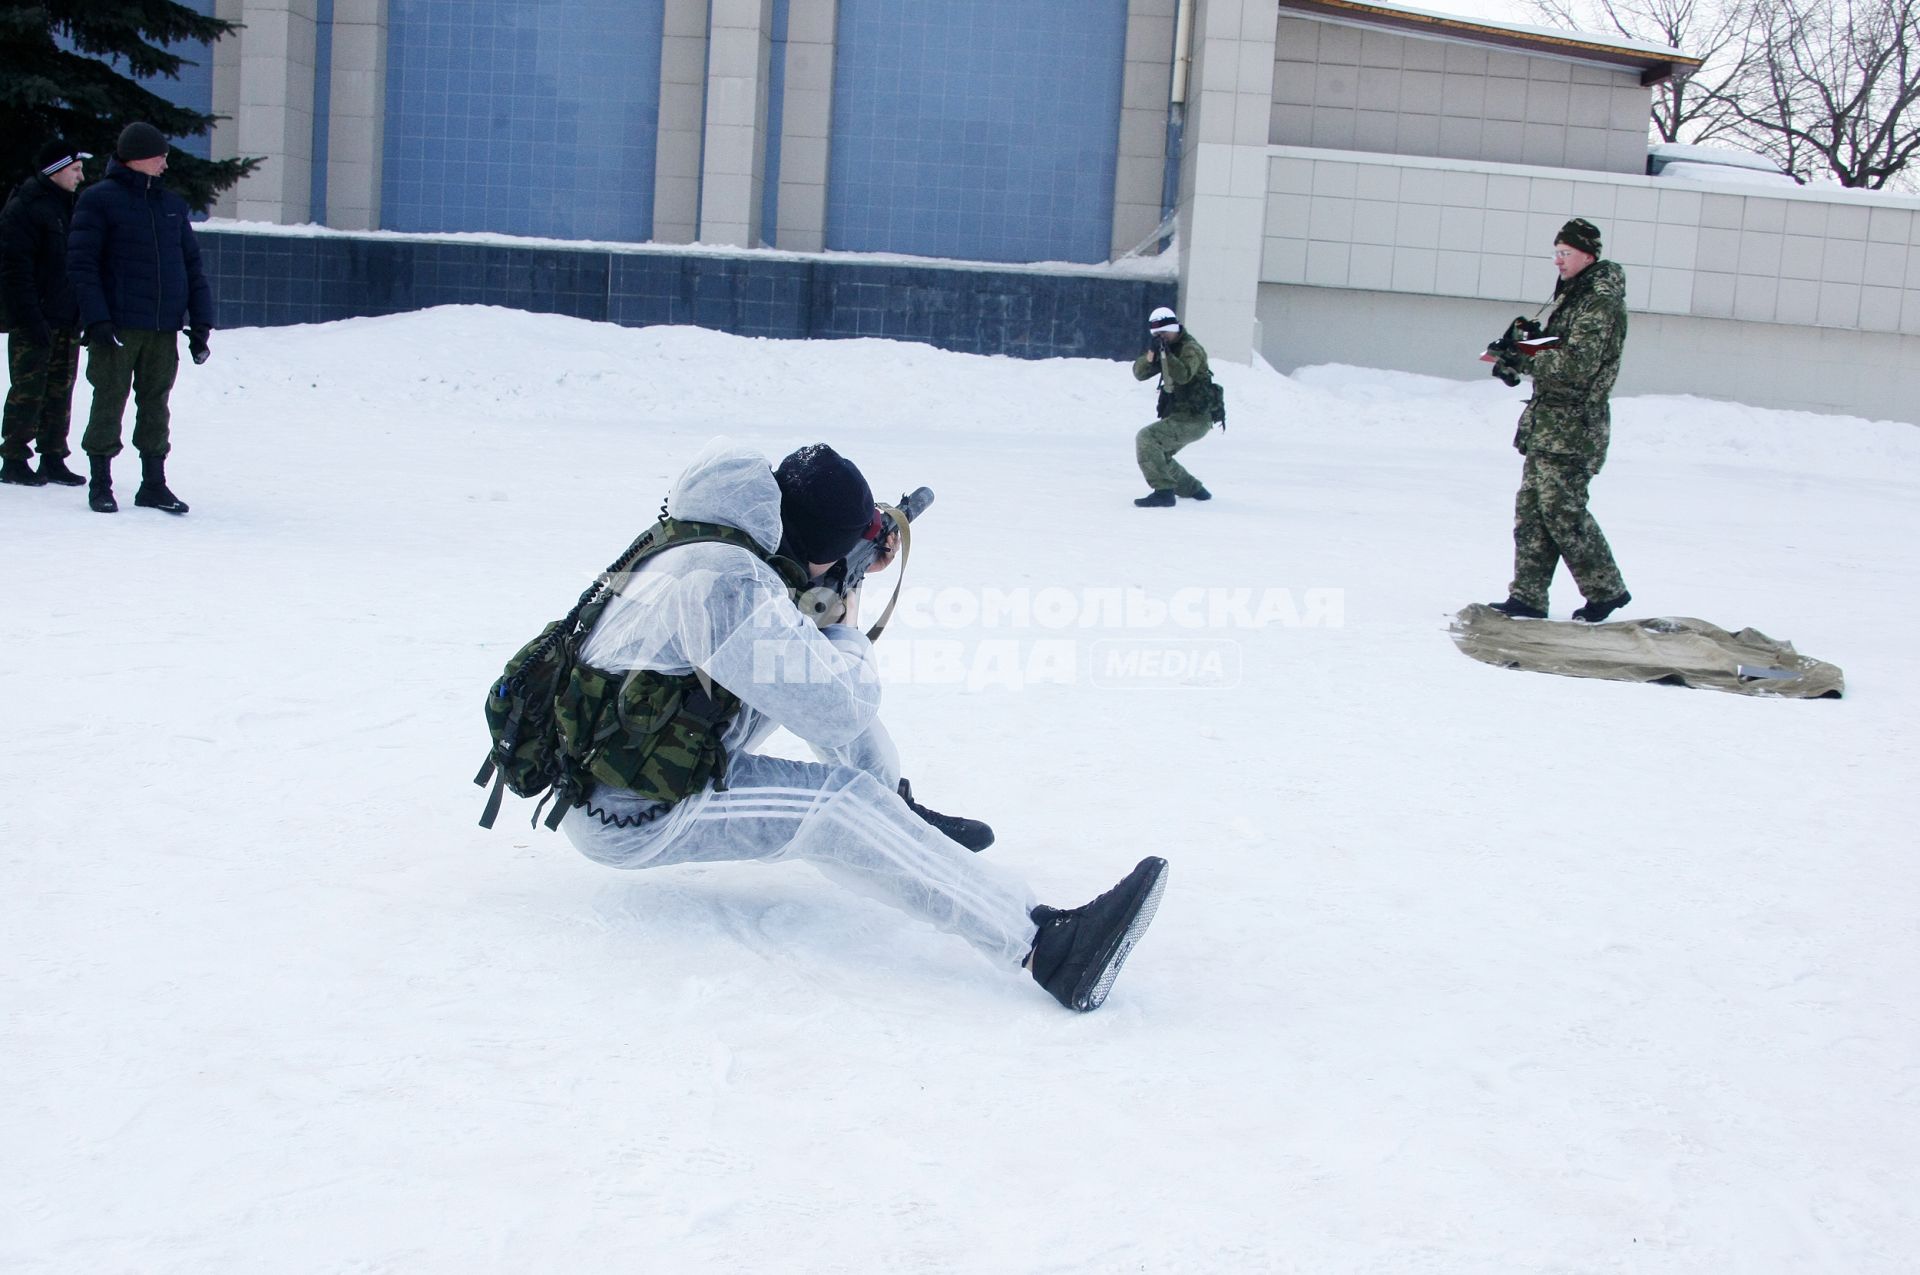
x: 1342, y: 88
x: 683, y: 106
x: 277, y: 51
x: 733, y: 153
x: 357, y: 114
x: 1223, y: 170
x: 225, y: 138
x: 1762, y: 289
x: 1139, y: 175
x: 1486, y: 231
x: 806, y: 116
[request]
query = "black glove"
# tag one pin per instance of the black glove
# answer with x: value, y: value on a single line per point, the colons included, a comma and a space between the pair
x: 197, y: 344
x: 102, y: 333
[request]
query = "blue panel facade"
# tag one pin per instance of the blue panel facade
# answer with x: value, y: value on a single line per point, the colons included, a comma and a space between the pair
x: 269, y: 280
x: 526, y: 119
x: 979, y: 129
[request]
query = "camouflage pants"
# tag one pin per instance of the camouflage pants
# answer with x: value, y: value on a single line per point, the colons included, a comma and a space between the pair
x: 144, y: 362
x: 1551, y: 523
x: 39, y: 396
x: 1155, y: 445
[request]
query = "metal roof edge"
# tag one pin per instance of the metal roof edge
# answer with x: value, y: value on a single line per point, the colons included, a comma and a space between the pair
x: 1655, y: 64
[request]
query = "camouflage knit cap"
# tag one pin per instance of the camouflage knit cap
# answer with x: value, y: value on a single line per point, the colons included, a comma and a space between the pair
x: 1582, y: 234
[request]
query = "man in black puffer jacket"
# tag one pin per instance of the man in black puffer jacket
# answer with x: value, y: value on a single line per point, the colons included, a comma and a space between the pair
x: 136, y: 274
x: 40, y: 318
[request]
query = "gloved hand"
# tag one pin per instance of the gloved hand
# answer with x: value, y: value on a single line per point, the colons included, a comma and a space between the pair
x: 197, y: 344
x: 1507, y: 367
x: 101, y: 333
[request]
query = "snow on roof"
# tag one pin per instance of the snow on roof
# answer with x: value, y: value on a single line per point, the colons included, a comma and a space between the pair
x: 1724, y: 174
x: 1726, y: 156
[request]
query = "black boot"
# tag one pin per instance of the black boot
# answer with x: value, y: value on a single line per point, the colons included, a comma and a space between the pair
x: 100, y: 486
x: 1515, y: 609
x: 1078, y: 952
x: 53, y: 469
x: 1200, y: 493
x: 1156, y: 499
x: 153, y: 493
x: 971, y: 833
x: 18, y: 471
x: 1595, y: 612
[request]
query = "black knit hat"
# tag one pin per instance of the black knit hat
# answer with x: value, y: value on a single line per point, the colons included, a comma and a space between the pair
x: 1582, y: 234
x: 56, y: 155
x: 140, y: 140
x: 825, y: 504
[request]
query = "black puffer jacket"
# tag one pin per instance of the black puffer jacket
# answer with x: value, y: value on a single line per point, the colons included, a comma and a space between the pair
x: 33, y: 256
x: 133, y: 258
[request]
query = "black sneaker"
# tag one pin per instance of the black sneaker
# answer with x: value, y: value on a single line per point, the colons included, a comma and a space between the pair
x: 153, y: 492
x: 20, y: 472
x: 1078, y: 952
x: 156, y: 496
x: 1594, y: 612
x: 53, y: 469
x: 1514, y: 609
x: 1200, y: 493
x: 1156, y: 500
x: 971, y: 833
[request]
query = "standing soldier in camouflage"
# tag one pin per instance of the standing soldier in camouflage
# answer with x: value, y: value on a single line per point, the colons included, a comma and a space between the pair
x: 1185, y: 410
x: 1563, y: 433
x: 41, y: 315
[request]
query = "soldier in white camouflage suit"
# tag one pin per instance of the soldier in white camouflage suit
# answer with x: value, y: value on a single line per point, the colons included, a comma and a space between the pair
x: 1564, y: 431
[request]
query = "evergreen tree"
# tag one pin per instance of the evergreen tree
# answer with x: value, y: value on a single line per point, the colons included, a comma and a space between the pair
x: 82, y: 88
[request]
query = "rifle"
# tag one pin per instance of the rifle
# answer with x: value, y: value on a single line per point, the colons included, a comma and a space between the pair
x: 826, y: 601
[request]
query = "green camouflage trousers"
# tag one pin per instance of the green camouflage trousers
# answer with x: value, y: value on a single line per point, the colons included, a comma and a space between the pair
x: 1551, y: 523
x: 145, y: 362
x: 39, y: 396
x: 1155, y: 445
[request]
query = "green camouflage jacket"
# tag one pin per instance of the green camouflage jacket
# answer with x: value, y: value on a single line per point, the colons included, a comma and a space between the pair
x: 1568, y: 416
x: 1184, y: 377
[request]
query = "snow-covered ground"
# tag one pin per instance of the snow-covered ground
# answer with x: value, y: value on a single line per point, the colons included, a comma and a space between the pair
x: 1460, y: 969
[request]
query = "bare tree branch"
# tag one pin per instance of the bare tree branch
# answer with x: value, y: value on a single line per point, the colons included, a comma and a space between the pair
x: 1834, y: 90
x: 1825, y: 88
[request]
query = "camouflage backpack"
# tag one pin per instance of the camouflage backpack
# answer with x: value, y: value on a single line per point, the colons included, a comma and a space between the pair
x: 559, y: 725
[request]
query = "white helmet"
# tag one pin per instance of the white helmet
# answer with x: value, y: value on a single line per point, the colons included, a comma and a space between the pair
x: 1163, y: 320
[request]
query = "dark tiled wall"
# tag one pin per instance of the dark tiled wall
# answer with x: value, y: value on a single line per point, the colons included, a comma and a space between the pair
x: 270, y: 280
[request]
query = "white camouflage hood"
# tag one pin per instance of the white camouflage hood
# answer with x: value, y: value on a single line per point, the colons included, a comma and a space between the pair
x: 732, y: 485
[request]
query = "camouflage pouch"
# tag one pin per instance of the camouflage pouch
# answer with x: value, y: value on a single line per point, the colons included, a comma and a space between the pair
x: 520, y: 716
x: 654, y: 734
x: 558, y: 725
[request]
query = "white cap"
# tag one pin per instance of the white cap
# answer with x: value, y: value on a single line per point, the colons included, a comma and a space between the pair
x: 1163, y: 320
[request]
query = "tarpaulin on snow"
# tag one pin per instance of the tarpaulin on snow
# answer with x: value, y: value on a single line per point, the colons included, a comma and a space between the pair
x: 1672, y: 650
